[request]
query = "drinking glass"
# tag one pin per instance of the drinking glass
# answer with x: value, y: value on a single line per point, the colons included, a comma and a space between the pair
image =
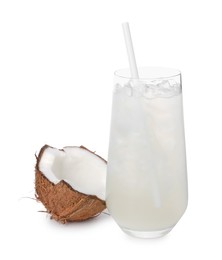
x: 146, y: 191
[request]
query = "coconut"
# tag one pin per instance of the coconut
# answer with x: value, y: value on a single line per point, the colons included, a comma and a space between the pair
x: 70, y: 182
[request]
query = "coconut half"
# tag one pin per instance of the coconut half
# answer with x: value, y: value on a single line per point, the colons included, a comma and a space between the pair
x: 70, y: 182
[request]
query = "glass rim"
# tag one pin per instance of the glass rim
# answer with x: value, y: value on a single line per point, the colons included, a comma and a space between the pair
x: 166, y: 72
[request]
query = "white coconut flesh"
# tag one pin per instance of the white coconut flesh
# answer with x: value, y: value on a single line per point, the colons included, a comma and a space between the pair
x: 84, y: 171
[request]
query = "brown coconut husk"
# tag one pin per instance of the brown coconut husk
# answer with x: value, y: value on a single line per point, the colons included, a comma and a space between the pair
x: 62, y: 202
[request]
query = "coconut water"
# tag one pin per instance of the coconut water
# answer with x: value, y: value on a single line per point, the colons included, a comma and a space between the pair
x: 146, y: 179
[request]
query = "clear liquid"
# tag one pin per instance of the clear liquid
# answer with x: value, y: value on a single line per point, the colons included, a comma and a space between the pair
x: 146, y: 180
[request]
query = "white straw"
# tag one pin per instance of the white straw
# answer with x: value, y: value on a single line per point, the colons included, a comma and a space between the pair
x: 135, y: 75
x: 130, y: 51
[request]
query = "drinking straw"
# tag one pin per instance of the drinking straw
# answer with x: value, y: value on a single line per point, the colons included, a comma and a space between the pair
x: 130, y: 51
x: 135, y: 75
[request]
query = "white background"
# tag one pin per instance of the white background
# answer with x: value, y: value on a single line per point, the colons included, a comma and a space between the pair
x: 56, y: 71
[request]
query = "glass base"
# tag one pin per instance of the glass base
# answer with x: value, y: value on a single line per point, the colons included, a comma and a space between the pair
x: 147, y: 234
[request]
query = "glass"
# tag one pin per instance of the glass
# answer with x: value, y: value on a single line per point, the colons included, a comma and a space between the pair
x: 146, y: 191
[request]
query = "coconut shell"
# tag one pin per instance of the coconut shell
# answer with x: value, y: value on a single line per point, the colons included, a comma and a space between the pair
x: 62, y: 202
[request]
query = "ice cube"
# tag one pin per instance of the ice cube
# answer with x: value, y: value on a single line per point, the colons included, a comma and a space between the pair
x: 150, y: 91
x: 161, y: 88
x: 128, y: 90
x: 117, y: 88
x: 164, y: 84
